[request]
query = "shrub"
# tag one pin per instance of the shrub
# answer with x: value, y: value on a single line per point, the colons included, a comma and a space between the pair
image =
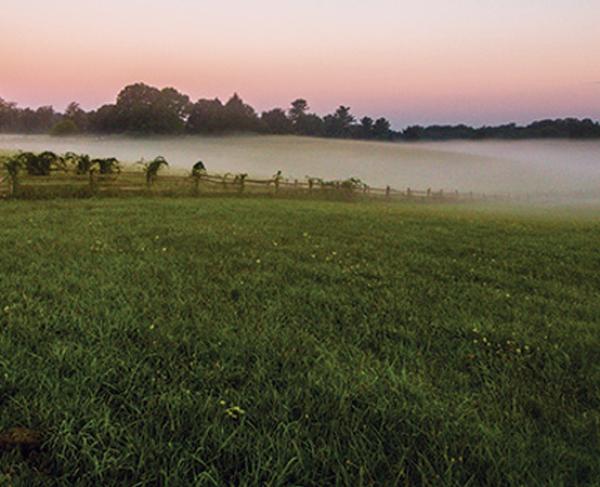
x: 151, y: 169
x: 64, y: 127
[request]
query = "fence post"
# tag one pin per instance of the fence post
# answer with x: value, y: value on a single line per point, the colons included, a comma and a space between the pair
x: 13, y: 184
x: 276, y: 180
x: 92, y: 180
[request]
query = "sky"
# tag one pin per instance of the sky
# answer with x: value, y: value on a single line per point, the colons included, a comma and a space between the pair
x: 426, y: 61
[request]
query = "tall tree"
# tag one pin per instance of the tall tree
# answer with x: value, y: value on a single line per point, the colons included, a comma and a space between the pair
x: 103, y: 119
x: 143, y: 108
x: 75, y: 114
x: 340, y: 123
x: 298, y: 110
x: 206, y: 116
x: 276, y: 122
x: 382, y: 129
x: 9, y: 116
x: 366, y: 128
x: 239, y: 115
x: 311, y: 124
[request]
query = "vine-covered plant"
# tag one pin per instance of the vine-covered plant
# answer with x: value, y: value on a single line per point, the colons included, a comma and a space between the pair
x: 151, y: 169
x: 198, y: 172
x: 109, y: 165
x: 42, y: 164
x: 199, y: 169
x: 82, y: 163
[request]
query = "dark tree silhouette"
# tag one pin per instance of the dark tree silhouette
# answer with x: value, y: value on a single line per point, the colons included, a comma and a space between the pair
x: 240, y: 116
x: 102, y: 120
x: 276, y: 122
x: 366, y: 128
x: 298, y: 110
x: 77, y: 116
x: 382, y: 129
x: 206, y: 116
x: 310, y: 124
x: 145, y: 109
x: 339, y: 124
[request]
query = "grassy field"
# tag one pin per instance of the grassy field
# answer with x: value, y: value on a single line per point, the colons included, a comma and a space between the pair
x: 219, y: 341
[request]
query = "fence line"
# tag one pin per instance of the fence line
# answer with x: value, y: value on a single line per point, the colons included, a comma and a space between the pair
x: 64, y: 184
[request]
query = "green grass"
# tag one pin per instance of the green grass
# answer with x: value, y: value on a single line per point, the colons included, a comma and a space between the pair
x: 364, y: 344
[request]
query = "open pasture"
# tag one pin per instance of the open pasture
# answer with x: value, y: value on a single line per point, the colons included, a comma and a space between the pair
x: 223, y: 341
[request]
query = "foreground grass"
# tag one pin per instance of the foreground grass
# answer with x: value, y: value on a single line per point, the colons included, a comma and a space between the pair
x: 261, y: 342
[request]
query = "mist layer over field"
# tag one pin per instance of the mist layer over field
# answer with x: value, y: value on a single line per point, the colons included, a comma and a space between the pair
x: 497, y: 166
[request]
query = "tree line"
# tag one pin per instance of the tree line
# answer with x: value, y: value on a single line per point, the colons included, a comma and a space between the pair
x: 144, y: 109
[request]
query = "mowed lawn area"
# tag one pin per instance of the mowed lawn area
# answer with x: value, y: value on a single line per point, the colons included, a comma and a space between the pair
x: 224, y: 341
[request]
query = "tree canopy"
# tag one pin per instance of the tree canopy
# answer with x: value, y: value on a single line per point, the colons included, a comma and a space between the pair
x: 144, y: 109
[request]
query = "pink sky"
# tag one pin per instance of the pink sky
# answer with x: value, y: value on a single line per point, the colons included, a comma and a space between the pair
x: 431, y: 61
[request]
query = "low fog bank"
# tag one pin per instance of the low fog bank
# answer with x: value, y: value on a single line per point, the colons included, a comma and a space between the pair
x: 536, y: 167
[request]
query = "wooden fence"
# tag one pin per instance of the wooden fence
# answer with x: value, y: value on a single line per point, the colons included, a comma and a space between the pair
x: 131, y: 182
